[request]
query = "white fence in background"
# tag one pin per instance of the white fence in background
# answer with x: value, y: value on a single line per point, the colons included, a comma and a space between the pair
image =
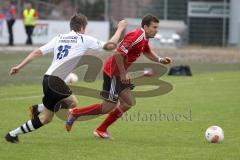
x: 45, y: 30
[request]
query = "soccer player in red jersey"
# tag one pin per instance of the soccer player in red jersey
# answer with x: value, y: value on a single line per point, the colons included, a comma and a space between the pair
x: 116, y: 93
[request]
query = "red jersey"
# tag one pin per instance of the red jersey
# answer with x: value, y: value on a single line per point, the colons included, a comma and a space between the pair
x: 133, y: 45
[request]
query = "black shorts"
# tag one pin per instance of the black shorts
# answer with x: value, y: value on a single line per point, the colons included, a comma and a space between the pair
x: 54, y: 89
x: 112, y: 87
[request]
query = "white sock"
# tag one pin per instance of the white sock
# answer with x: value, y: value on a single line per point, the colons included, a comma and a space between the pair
x: 25, y: 128
x: 40, y: 108
x: 16, y: 132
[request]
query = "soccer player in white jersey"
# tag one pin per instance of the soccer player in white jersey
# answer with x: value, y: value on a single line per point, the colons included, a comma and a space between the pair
x: 68, y: 49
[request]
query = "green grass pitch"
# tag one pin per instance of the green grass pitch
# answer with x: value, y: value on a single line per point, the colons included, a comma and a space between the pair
x: 210, y: 97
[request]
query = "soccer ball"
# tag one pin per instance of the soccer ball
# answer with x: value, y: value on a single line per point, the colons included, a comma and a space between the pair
x: 71, y: 78
x: 148, y: 72
x: 214, y: 134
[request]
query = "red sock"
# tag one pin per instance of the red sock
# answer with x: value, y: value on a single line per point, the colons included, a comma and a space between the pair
x: 111, y: 118
x: 94, y: 109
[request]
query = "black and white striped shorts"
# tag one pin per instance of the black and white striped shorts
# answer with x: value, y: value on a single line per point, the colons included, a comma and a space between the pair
x: 112, y: 87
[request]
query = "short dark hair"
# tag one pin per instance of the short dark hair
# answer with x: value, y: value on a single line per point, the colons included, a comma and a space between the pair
x: 147, y: 19
x: 78, y: 21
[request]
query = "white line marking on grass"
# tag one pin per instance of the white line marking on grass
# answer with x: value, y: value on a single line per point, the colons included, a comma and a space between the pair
x: 20, y: 98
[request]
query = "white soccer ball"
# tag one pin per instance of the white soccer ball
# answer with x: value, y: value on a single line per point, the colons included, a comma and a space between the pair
x: 71, y: 78
x: 148, y: 72
x: 214, y: 134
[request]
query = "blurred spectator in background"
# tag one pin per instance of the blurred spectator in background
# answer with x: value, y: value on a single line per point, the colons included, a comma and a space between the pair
x: 2, y: 15
x: 29, y: 17
x: 10, y: 17
x: 2, y: 18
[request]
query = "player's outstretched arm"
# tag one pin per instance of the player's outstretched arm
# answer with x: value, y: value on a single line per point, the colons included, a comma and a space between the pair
x: 34, y: 54
x: 154, y: 57
x: 112, y: 43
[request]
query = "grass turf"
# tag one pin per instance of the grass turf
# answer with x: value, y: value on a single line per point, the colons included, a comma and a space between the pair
x: 195, y: 103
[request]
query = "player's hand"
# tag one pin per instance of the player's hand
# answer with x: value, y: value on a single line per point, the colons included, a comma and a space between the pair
x: 122, y: 24
x: 14, y: 70
x: 166, y: 60
x: 125, y: 78
x: 109, y: 46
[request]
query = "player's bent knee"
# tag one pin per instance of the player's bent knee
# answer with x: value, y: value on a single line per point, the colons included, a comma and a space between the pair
x: 128, y: 104
x: 73, y: 104
x: 107, y: 110
x: 107, y: 107
x: 70, y: 102
x: 45, y: 119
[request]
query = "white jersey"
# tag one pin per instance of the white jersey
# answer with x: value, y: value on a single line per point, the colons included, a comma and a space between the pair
x: 68, y: 49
